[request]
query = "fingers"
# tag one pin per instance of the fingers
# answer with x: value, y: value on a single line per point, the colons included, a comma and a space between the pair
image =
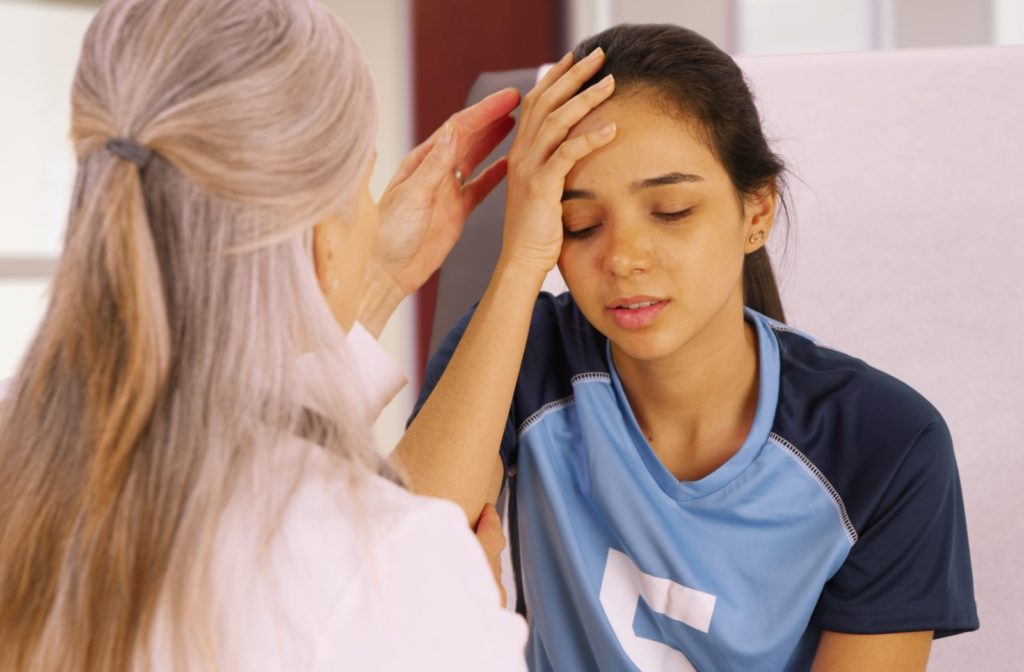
x: 539, y: 103
x: 574, y: 149
x: 479, y: 116
x: 492, y: 539
x: 414, y: 158
x: 556, y: 71
x: 489, y: 532
x: 476, y: 191
x: 478, y: 129
x: 478, y: 148
x: 556, y: 126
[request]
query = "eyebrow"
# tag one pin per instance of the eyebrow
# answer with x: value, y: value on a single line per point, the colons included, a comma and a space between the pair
x: 635, y: 187
x: 662, y: 180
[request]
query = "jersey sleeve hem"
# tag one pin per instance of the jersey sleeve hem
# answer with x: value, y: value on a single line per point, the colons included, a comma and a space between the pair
x: 944, y: 619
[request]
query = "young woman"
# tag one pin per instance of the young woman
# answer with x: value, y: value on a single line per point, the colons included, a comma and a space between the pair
x: 187, y: 479
x: 696, y: 485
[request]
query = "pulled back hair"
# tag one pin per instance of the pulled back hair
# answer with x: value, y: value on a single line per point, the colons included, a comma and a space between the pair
x: 702, y: 82
x: 163, y: 377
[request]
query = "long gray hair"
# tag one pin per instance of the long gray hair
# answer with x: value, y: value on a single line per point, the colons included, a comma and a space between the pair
x: 165, y: 365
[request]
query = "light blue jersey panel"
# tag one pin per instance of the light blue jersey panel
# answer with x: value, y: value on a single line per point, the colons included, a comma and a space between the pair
x: 631, y: 569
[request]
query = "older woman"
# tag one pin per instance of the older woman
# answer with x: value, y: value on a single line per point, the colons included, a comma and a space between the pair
x: 188, y: 477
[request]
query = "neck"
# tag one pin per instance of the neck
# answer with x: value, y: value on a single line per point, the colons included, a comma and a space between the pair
x: 696, y: 406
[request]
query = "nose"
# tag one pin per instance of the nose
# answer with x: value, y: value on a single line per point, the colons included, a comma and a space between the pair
x: 629, y: 250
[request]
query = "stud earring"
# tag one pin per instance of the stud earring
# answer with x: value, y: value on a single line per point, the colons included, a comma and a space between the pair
x: 757, y: 238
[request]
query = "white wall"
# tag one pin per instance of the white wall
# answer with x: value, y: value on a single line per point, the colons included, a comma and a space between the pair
x: 711, y: 19
x: 941, y: 23
x: 790, y: 26
x: 1008, y: 22
x: 809, y: 26
x: 39, y: 43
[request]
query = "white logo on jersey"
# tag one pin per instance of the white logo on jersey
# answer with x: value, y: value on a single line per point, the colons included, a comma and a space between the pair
x: 621, y: 589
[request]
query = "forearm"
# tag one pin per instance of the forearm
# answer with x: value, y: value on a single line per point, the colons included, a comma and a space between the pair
x: 451, y: 448
x: 902, y: 651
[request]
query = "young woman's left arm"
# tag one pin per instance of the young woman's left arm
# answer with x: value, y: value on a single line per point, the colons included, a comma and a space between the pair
x: 895, y: 652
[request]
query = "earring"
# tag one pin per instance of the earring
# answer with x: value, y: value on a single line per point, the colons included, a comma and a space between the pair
x: 757, y: 238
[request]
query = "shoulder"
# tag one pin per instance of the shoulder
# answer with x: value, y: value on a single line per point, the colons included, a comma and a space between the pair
x: 562, y: 345
x: 422, y: 598
x: 319, y: 521
x: 354, y: 562
x: 860, y: 426
x: 820, y: 381
x: 557, y: 329
x: 885, y: 454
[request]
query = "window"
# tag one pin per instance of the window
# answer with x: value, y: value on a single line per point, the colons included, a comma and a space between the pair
x: 39, y: 44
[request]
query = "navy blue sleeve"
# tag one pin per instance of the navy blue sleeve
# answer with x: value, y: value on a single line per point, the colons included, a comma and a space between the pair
x: 436, y: 368
x: 910, y: 568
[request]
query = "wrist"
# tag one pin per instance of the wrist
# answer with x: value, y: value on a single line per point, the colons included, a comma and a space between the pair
x: 380, y: 298
x: 514, y: 284
x: 527, y: 271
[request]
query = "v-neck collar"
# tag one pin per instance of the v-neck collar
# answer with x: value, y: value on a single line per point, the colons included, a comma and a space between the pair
x: 764, y: 418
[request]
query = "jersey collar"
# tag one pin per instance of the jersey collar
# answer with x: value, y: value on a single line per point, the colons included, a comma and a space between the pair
x: 768, y: 362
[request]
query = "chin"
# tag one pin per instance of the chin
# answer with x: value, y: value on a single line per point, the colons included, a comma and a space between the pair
x: 645, y: 345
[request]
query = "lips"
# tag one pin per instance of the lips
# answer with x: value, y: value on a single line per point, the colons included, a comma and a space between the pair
x: 636, y: 312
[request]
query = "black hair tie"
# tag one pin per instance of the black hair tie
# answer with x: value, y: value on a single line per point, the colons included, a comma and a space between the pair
x: 129, y: 150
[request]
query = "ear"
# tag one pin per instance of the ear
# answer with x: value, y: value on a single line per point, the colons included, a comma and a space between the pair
x: 759, y: 218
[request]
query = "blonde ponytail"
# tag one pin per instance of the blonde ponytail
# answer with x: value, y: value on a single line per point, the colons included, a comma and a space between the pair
x: 164, y: 372
x: 124, y: 382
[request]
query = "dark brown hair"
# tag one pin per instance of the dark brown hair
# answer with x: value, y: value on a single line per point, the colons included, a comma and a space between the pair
x: 702, y: 82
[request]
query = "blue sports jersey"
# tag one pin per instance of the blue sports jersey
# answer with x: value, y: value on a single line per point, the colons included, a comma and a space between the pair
x: 841, y: 511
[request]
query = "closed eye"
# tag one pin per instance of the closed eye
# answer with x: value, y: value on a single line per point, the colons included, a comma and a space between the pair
x: 672, y: 216
x: 579, y: 234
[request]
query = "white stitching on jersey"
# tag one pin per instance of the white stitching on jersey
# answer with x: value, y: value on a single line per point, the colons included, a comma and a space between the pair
x: 592, y: 377
x: 779, y: 326
x: 539, y: 414
x: 558, y: 404
x: 824, y: 482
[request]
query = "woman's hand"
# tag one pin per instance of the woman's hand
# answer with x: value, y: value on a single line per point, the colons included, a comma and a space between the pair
x: 423, y: 208
x: 541, y: 157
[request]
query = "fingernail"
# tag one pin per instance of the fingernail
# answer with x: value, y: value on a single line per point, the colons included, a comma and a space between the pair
x: 606, y: 82
x: 595, y: 54
x: 608, y: 130
x: 447, y: 132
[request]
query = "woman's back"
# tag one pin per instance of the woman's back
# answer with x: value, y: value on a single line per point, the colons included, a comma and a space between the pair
x: 359, y: 574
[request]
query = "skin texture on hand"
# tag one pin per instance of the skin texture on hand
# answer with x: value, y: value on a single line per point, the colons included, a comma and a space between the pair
x: 424, y: 207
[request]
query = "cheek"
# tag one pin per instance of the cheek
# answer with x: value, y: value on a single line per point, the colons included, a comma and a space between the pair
x: 577, y: 269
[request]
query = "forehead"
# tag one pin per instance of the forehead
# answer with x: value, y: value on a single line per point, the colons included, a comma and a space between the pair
x: 651, y: 139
